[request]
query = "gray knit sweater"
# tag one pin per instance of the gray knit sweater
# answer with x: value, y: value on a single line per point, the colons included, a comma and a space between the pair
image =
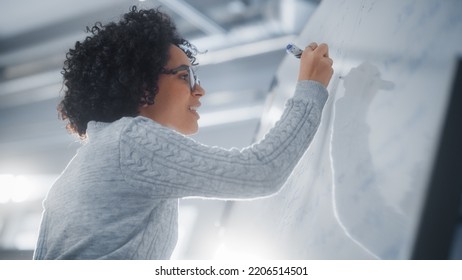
x: 118, y: 197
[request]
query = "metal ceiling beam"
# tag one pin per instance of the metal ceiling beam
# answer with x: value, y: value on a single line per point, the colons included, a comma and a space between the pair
x: 57, y: 30
x: 195, y: 17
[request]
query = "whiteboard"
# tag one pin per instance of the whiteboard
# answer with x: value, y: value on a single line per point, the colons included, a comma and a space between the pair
x: 357, y: 192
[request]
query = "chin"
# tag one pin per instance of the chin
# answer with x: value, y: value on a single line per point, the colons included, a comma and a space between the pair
x: 190, y: 131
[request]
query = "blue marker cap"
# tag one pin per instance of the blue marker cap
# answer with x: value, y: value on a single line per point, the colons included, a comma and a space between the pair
x: 294, y: 50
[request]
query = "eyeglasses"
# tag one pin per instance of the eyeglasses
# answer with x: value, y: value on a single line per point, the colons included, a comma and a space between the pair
x: 193, y: 80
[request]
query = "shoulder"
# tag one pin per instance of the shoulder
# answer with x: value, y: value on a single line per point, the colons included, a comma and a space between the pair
x: 146, y: 137
x: 141, y: 132
x: 138, y: 127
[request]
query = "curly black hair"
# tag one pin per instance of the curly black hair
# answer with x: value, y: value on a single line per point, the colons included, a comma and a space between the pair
x: 115, y: 70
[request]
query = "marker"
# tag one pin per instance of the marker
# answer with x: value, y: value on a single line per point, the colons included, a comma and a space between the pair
x: 297, y: 52
x: 294, y: 50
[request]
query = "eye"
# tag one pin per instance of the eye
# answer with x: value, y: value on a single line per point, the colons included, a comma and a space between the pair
x: 184, y: 76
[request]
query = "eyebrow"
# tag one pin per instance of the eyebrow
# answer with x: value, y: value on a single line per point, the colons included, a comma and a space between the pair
x: 175, y: 69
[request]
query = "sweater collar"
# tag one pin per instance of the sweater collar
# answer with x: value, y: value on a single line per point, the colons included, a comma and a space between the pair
x: 94, y: 127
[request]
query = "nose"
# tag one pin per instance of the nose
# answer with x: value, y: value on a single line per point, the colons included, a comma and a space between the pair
x: 198, y: 90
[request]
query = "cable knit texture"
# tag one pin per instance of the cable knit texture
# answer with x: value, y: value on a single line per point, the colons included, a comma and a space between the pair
x: 118, y: 197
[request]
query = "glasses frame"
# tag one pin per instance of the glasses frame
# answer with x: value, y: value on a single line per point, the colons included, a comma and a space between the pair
x: 193, y: 80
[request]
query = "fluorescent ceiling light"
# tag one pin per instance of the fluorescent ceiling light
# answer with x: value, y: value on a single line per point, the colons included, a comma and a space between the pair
x: 245, y: 50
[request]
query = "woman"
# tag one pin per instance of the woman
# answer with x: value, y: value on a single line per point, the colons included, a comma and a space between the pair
x: 131, y: 94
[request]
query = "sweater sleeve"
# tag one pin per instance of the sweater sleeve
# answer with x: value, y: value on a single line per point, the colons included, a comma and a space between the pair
x: 167, y: 164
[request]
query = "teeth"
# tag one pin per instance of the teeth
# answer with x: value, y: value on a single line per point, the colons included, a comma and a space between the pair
x: 193, y: 108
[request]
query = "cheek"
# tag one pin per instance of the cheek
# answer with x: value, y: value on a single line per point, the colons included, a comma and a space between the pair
x: 171, y: 107
x: 165, y: 107
x: 165, y: 95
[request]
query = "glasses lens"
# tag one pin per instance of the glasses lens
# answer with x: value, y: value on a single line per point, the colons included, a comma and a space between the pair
x: 193, y: 80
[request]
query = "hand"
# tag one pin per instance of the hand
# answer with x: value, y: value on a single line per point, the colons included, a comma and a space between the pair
x: 315, y: 64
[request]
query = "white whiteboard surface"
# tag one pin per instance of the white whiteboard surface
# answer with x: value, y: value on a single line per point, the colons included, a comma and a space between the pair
x: 357, y: 192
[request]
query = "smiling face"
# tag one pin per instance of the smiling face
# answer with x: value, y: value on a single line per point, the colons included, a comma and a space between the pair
x: 175, y: 104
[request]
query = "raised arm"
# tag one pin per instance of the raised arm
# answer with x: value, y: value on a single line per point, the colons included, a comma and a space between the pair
x: 168, y: 164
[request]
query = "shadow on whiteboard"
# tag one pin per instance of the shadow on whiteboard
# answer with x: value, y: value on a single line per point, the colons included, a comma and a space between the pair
x: 362, y: 207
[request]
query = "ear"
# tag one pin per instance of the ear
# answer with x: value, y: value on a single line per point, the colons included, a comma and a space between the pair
x: 147, y: 99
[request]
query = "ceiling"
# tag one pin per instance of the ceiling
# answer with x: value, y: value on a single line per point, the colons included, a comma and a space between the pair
x: 244, y: 40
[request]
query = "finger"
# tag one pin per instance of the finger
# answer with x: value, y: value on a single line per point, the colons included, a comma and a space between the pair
x: 312, y: 46
x: 323, y: 49
x: 329, y: 60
